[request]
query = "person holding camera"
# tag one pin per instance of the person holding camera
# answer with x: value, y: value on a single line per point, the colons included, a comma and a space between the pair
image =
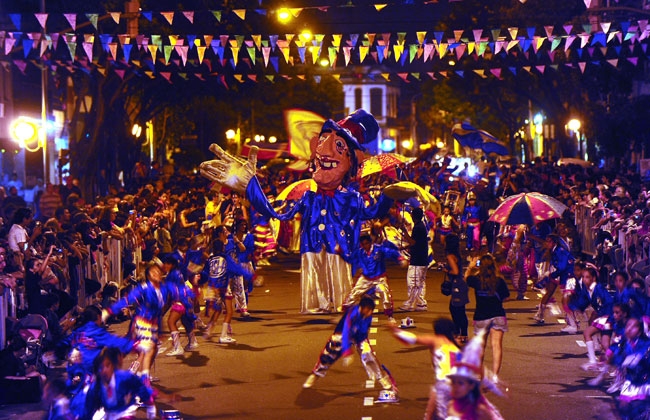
x: 490, y: 292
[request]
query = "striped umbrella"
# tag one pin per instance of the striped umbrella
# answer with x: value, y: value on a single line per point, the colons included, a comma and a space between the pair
x: 527, y: 209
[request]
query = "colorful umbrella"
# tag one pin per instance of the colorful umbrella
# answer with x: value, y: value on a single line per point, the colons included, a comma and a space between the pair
x: 385, y: 163
x: 527, y: 209
x: 405, y: 189
x: 296, y: 190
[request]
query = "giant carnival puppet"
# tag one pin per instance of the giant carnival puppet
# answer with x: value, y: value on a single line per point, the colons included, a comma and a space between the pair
x: 331, y: 216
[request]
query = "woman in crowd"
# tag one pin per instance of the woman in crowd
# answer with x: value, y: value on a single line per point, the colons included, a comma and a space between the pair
x: 490, y: 292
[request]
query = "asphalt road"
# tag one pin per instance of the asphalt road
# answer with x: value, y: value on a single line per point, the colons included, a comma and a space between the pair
x: 261, y: 376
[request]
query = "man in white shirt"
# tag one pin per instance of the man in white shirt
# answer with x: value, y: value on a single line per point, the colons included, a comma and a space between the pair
x: 18, y: 237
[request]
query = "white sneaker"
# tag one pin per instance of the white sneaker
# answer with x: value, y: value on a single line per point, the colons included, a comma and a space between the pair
x: 177, y: 351
x: 590, y: 366
x: 539, y: 319
x: 227, y: 340
x: 192, y: 346
x: 309, y: 382
x: 392, y: 320
x: 570, y: 329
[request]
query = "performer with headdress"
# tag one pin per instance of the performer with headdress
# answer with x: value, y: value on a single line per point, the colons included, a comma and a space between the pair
x: 467, y: 401
x: 331, y: 216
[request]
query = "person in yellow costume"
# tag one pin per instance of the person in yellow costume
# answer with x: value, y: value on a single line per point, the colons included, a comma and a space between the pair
x: 443, y: 347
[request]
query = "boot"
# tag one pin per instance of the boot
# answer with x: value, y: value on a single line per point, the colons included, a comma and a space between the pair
x: 176, y: 341
x: 539, y: 316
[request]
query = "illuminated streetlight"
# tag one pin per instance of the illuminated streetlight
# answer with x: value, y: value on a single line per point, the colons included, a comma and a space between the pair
x: 23, y: 130
x: 273, y: 139
x: 407, y: 144
x: 574, y: 125
x: 324, y: 62
x: 136, y: 130
x: 284, y: 15
x: 306, y: 35
x: 230, y: 134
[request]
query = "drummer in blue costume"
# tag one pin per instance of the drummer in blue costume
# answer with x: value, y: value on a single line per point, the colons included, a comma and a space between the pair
x: 331, y: 216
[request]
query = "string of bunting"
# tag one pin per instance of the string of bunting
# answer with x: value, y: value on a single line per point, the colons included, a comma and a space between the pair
x: 245, y: 56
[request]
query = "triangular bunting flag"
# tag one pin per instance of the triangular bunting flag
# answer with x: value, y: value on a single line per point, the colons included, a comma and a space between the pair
x: 513, y: 33
x: 166, y: 75
x: 241, y: 13
x: 346, y: 55
x: 216, y: 14
x: 41, y: 18
x: 116, y: 16
x: 582, y: 66
x: 481, y: 73
x: 266, y: 53
x: 167, y: 52
x: 496, y: 72
x: 92, y: 17
x: 379, y: 7
x: 16, y: 20
x: 549, y: 31
x: 112, y: 48
x: 88, y: 48
x: 363, y: 52
x: 189, y: 16
x: 613, y: 62
x: 421, y: 36
x: 169, y: 17
x: 126, y: 49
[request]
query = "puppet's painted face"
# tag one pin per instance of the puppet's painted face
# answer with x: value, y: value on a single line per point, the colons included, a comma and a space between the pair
x: 332, y: 161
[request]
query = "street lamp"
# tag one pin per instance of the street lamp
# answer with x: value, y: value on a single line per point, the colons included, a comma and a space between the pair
x: 574, y: 125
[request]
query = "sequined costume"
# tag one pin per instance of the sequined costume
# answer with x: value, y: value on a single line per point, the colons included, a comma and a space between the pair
x: 350, y: 332
x: 471, y: 220
x: 119, y: 401
x: 373, y: 274
x: 330, y: 219
x: 148, y: 302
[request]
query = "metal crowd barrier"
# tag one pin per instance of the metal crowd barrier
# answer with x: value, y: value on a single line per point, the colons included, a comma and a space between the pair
x: 584, y: 222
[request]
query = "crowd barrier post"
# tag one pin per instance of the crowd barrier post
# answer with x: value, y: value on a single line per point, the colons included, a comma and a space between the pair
x: 4, y: 313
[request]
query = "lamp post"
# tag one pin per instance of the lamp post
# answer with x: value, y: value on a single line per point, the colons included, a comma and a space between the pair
x: 43, y: 133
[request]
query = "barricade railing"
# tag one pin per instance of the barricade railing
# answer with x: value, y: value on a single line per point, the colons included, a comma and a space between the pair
x: 584, y: 222
x: 4, y: 314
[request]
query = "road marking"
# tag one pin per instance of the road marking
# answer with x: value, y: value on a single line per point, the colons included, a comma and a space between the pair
x: 375, y: 319
x: 368, y: 401
x: 581, y: 343
x: 373, y: 342
x: 555, y: 310
x: 366, y: 418
x: 373, y: 330
x: 561, y: 321
x: 370, y: 383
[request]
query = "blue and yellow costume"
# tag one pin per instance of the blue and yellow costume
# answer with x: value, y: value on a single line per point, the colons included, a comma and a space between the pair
x: 471, y: 220
x: 373, y: 274
x: 330, y: 219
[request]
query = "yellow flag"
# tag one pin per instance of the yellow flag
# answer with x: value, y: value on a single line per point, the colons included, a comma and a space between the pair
x: 302, y: 126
